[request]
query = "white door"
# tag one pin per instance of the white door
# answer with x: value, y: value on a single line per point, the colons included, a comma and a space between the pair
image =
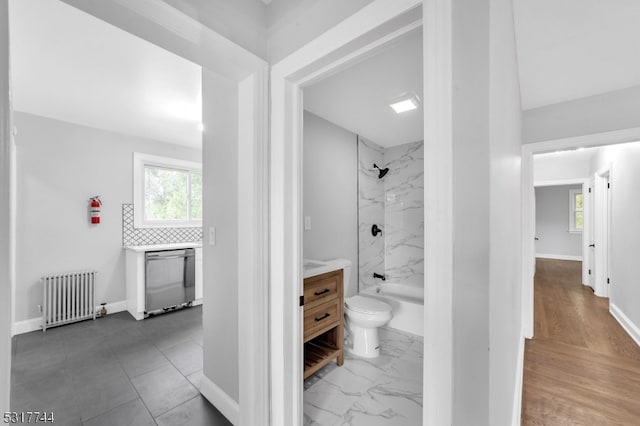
x: 591, y: 253
x: 607, y: 238
x: 535, y: 238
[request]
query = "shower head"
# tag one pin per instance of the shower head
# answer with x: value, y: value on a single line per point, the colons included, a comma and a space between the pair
x: 381, y: 172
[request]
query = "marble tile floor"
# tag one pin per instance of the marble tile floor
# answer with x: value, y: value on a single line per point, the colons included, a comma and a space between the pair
x: 384, y: 391
x: 115, y: 371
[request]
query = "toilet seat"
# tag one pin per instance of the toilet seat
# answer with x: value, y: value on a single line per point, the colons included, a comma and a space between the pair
x: 367, y: 305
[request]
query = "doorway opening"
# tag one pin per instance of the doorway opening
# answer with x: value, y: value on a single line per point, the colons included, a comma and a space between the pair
x: 589, y: 162
x: 363, y: 191
x: 238, y: 143
x: 349, y: 41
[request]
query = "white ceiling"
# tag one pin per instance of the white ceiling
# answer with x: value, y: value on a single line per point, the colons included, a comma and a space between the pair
x: 358, y: 97
x: 71, y: 66
x: 74, y: 67
x: 570, y: 49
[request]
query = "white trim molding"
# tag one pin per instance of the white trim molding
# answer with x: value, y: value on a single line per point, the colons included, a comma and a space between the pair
x: 517, y: 392
x: 26, y: 326
x: 559, y: 182
x: 253, y: 243
x: 220, y: 399
x: 632, y: 329
x: 559, y: 257
x: 438, y: 212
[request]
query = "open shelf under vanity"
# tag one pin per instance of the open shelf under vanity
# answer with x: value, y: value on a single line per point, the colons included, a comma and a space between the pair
x: 323, y: 321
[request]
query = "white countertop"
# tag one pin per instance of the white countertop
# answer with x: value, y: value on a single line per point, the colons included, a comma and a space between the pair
x: 312, y: 267
x: 171, y: 246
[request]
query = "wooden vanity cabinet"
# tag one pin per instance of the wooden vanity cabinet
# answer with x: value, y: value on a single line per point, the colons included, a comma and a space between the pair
x: 323, y: 321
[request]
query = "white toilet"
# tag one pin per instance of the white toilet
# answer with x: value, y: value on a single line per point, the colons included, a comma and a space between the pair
x: 363, y: 315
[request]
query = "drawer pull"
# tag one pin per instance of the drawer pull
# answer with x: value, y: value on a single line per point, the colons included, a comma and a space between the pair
x: 318, y: 293
x: 327, y: 315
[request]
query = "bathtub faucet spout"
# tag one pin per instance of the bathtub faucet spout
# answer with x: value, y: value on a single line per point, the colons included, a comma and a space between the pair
x: 382, y: 277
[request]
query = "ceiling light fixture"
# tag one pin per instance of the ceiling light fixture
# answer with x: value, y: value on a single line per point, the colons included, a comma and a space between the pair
x: 405, y: 103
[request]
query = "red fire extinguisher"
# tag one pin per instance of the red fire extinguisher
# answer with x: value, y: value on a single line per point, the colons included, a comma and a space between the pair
x: 95, y: 209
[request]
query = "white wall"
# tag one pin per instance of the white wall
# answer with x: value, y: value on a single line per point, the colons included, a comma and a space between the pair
x: 220, y: 178
x: 60, y: 165
x: 595, y: 114
x: 241, y: 21
x: 330, y: 193
x: 624, y: 291
x: 293, y: 23
x: 505, y: 318
x: 552, y: 222
x: 561, y: 166
x: 471, y: 212
x: 6, y: 193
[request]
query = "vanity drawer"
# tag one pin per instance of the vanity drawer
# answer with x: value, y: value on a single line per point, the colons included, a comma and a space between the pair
x: 322, y: 316
x: 322, y: 288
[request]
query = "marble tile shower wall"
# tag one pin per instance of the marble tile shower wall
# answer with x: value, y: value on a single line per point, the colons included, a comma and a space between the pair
x: 370, y: 211
x: 396, y: 204
x: 132, y: 236
x: 404, y: 214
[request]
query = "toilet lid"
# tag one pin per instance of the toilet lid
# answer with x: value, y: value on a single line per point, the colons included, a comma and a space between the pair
x: 367, y: 305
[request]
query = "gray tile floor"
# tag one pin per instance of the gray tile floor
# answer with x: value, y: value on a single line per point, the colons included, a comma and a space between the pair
x: 115, y: 371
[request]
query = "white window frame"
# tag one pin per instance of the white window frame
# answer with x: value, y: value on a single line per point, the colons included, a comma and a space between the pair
x: 572, y: 211
x: 140, y: 160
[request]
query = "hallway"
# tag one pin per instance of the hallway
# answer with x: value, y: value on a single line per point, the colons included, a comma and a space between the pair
x: 581, y: 367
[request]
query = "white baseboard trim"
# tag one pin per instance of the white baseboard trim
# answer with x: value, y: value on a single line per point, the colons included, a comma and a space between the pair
x: 26, y: 326
x: 33, y: 324
x: 559, y: 257
x: 631, y: 329
x: 220, y: 399
x: 517, y: 396
x: 114, y: 307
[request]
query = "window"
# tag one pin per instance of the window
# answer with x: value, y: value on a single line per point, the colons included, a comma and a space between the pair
x: 576, y: 210
x: 167, y: 192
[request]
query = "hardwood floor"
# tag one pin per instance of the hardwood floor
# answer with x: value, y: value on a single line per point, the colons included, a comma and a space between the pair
x: 581, y: 368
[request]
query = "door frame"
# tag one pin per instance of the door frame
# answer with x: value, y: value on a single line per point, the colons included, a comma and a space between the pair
x: 7, y: 212
x: 160, y: 24
x: 528, y: 203
x: 374, y: 25
x: 584, y: 182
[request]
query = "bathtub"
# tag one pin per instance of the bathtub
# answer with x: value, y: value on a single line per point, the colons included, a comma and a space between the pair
x: 407, y: 303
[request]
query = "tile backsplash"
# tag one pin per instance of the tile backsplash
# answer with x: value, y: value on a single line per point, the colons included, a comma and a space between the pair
x: 132, y: 236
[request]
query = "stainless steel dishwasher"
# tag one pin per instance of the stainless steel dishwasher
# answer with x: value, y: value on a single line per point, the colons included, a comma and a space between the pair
x: 170, y: 279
